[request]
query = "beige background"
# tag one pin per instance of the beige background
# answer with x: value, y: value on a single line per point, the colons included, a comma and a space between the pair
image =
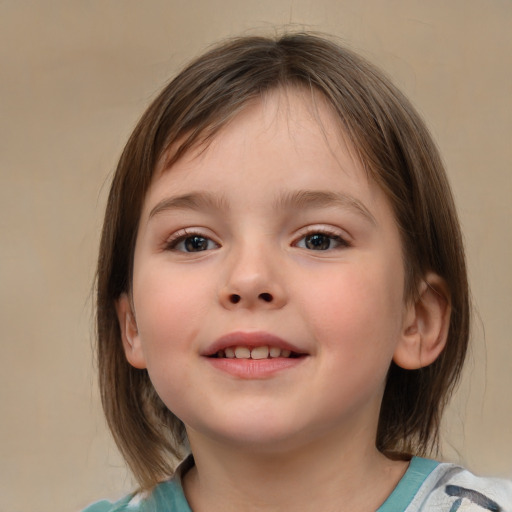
x: 75, y: 76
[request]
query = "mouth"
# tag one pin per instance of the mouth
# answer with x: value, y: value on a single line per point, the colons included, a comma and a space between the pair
x: 253, y: 345
x: 258, y: 353
x: 254, y: 355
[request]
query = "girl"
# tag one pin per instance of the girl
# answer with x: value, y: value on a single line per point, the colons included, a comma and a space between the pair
x: 282, y: 292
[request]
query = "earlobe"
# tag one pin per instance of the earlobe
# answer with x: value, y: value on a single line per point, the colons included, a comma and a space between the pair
x: 129, y: 332
x: 425, y: 327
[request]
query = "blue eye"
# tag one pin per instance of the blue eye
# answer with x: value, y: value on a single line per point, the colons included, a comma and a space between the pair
x: 192, y: 243
x: 321, y: 242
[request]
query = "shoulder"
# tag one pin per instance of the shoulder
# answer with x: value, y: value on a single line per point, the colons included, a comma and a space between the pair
x: 451, y: 487
x: 165, y: 497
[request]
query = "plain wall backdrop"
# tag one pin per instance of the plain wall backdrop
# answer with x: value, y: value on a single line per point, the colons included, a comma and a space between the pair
x: 74, y: 78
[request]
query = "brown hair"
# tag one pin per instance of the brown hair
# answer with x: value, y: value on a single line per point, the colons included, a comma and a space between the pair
x: 394, y: 146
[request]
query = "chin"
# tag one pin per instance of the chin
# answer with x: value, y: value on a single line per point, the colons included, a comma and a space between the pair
x: 265, y: 436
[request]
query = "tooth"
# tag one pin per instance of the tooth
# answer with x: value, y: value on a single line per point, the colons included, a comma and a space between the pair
x: 275, y: 352
x: 242, y: 353
x: 229, y: 352
x: 259, y: 353
x: 221, y: 354
x: 285, y: 353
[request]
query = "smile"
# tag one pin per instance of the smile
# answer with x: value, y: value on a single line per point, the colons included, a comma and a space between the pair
x: 262, y: 352
x: 252, y: 345
x: 254, y: 355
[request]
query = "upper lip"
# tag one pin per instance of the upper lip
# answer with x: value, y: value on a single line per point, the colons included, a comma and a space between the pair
x: 250, y: 340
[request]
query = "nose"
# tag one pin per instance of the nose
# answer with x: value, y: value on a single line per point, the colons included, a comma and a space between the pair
x: 252, y: 281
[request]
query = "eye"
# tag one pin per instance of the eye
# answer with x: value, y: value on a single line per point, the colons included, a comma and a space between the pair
x: 190, y: 242
x: 321, y: 241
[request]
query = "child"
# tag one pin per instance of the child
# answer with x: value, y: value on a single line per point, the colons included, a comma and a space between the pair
x: 282, y: 289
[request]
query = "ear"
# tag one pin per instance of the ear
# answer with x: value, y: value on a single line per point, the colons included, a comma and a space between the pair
x: 425, y: 325
x: 129, y: 332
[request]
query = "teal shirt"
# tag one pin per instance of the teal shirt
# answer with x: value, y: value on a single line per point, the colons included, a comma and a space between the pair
x: 166, y: 497
x: 407, y: 488
x: 427, y: 486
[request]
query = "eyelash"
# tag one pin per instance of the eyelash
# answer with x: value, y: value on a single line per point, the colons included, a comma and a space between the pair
x: 184, y: 234
x: 330, y: 237
x: 330, y: 234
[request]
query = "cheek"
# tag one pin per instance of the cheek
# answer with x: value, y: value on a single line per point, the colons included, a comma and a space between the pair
x: 357, y: 308
x: 169, y: 307
x: 168, y: 318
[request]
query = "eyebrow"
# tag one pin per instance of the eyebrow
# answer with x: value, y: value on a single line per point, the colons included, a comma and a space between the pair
x: 193, y: 201
x: 300, y: 199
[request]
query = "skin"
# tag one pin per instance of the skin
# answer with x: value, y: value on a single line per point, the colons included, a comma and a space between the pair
x: 264, y: 443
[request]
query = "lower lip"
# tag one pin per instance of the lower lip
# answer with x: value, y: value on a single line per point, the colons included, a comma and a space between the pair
x: 255, y: 368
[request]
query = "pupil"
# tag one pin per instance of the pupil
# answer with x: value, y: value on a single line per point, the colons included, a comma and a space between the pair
x: 318, y: 242
x: 196, y: 243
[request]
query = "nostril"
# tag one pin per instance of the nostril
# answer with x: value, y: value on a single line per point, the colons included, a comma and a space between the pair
x: 265, y: 297
x: 234, y: 298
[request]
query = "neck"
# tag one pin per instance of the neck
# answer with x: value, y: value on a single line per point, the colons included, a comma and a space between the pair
x: 310, y: 478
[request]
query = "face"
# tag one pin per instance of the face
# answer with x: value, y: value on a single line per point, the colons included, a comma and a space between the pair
x: 268, y: 282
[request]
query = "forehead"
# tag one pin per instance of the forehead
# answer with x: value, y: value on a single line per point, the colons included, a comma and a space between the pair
x: 287, y: 144
x: 286, y: 116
